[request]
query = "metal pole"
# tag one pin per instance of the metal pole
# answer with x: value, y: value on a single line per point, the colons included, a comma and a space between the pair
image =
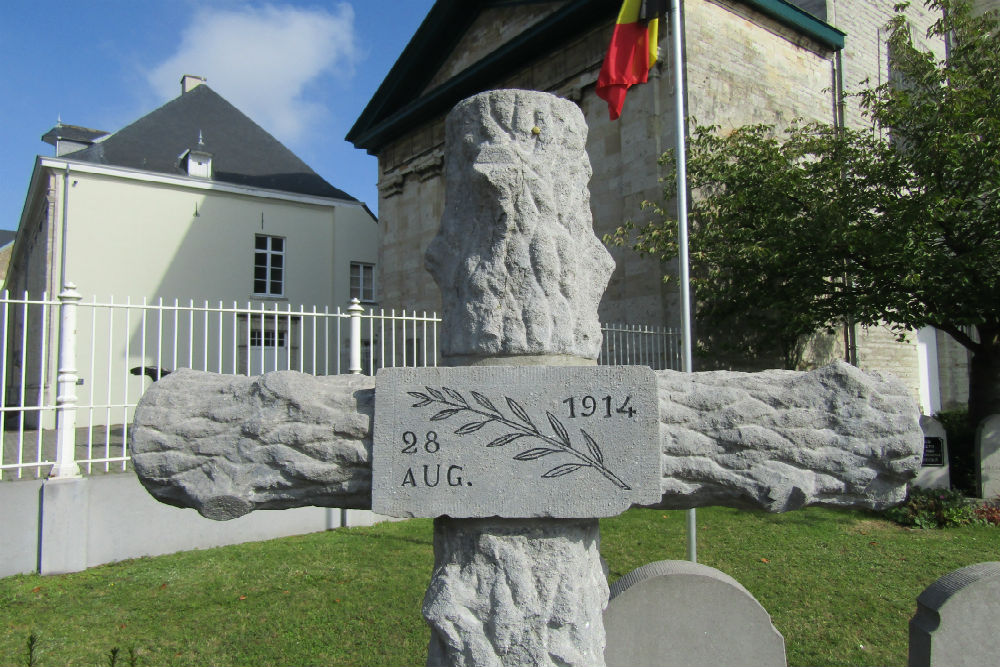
x: 355, y: 311
x: 65, y: 465
x: 682, y: 227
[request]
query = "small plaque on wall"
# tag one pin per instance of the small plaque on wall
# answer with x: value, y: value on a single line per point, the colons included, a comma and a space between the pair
x: 933, y: 452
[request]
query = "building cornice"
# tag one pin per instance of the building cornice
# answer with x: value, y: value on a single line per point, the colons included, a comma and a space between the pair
x: 400, y: 103
x: 188, y: 182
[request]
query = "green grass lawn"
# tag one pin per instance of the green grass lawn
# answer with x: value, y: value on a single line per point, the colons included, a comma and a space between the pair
x: 840, y: 586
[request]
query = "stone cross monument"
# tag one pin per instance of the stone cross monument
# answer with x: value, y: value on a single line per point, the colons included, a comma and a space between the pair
x: 522, y: 442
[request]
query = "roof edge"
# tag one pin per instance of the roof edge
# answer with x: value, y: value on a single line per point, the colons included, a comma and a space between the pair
x: 371, y: 136
x: 190, y: 182
x: 801, y: 21
x: 372, y: 131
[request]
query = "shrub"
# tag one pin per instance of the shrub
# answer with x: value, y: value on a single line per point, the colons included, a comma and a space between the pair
x: 933, y: 508
x: 989, y: 513
x: 961, y: 449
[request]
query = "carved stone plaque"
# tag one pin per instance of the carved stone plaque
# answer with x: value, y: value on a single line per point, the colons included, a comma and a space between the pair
x: 515, y: 441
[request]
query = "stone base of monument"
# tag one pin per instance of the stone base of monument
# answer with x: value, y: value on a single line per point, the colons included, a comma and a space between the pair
x: 675, y: 612
x: 516, y: 592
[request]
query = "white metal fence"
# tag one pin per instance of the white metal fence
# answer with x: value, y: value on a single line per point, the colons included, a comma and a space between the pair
x: 640, y: 345
x: 74, y: 369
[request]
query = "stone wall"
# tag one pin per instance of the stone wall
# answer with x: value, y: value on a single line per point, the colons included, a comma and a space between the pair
x: 741, y: 67
x: 865, y: 53
x: 953, y: 372
x: 731, y: 57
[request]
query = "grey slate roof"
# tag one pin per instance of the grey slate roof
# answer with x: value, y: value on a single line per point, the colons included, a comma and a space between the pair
x: 242, y: 152
x: 72, y: 133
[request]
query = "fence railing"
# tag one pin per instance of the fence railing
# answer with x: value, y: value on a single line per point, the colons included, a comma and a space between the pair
x: 73, y: 369
x: 640, y: 345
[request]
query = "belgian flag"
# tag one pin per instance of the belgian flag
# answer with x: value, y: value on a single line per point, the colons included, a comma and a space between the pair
x: 631, y: 53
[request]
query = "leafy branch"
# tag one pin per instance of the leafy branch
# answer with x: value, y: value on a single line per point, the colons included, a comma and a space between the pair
x: 521, y: 426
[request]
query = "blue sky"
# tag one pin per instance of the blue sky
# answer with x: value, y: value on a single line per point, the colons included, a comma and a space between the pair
x: 303, y: 71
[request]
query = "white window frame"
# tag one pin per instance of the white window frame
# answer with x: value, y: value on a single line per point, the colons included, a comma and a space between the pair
x: 269, y: 254
x: 365, y: 291
x: 269, y: 339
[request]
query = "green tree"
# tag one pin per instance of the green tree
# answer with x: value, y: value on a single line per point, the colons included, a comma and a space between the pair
x: 802, y: 230
x: 777, y: 224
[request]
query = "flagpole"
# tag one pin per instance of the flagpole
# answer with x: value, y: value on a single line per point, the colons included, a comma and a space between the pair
x: 682, y: 229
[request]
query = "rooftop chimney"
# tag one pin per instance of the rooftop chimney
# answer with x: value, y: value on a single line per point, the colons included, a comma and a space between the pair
x: 71, y: 138
x: 189, y: 82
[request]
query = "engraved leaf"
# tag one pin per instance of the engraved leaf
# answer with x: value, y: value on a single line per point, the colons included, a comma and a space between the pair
x: 483, y: 401
x: 472, y: 427
x: 457, y: 397
x: 564, y: 469
x: 595, y: 451
x: 519, y: 411
x: 506, y: 439
x: 535, y: 453
x: 424, y: 400
x: 444, y: 414
x: 559, y: 429
x: 435, y: 393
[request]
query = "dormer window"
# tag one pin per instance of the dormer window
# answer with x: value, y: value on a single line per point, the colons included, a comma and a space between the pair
x: 197, y: 161
x: 199, y: 164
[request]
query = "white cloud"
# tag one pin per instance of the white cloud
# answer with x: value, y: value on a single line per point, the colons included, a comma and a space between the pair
x: 262, y: 59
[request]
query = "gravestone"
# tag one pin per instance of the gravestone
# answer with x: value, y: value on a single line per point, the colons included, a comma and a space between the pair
x: 957, y: 619
x: 934, y: 470
x: 721, y: 625
x: 519, y: 580
x: 988, y: 456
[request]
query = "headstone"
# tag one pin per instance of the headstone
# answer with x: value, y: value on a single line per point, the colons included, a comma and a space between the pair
x: 515, y: 441
x: 934, y: 469
x: 675, y: 612
x: 988, y: 456
x: 957, y: 619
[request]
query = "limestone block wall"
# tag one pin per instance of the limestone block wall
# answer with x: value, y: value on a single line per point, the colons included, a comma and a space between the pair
x: 731, y: 58
x: 953, y: 372
x: 495, y: 25
x: 741, y: 67
x: 879, y: 350
x: 34, y: 269
x: 411, y: 202
x: 865, y: 54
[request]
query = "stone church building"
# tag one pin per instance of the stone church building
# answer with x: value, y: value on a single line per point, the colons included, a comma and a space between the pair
x: 745, y: 61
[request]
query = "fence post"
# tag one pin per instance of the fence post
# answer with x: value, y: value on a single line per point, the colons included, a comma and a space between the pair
x: 65, y: 465
x: 355, y: 311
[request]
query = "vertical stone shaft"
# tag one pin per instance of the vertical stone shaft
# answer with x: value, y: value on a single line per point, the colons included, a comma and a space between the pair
x: 521, y: 274
x: 516, y: 592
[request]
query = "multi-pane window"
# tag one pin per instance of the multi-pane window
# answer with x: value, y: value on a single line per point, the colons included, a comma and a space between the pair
x: 362, y: 281
x: 268, y: 342
x: 266, y: 338
x: 269, y: 265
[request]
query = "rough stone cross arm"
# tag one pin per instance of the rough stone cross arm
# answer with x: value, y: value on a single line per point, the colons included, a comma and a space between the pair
x: 777, y: 440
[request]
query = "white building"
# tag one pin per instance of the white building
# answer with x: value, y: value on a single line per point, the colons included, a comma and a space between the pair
x: 192, y: 202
